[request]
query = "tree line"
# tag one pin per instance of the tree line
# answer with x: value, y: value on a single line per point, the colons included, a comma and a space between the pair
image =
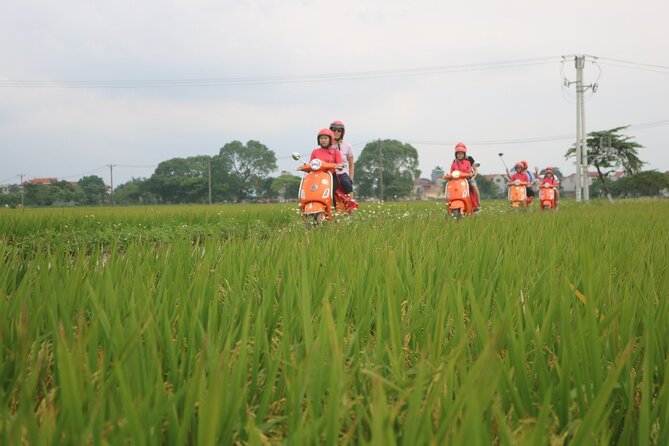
x: 386, y: 169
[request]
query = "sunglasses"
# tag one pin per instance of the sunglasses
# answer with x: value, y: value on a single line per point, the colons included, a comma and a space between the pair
x: 335, y: 130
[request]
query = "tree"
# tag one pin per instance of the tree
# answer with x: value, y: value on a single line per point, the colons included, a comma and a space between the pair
x: 286, y: 186
x: 648, y: 183
x: 39, y: 194
x: 135, y: 191
x: 609, y: 150
x: 181, y: 180
x: 487, y: 188
x: 387, y: 169
x: 248, y: 166
x: 67, y: 193
x: 94, y: 189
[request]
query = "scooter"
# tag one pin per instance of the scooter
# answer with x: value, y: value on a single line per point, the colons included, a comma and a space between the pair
x: 315, y: 194
x: 458, y: 197
x: 547, y: 196
x: 518, y: 194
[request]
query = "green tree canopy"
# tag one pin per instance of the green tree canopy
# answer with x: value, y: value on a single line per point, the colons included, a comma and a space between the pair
x: 135, y: 191
x: 286, y: 186
x: 647, y: 183
x: 248, y: 165
x: 181, y: 180
x: 621, y: 154
x: 609, y: 150
x: 386, y: 169
x: 94, y: 189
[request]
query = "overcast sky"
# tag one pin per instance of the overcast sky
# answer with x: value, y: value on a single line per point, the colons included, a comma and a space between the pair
x: 283, y: 69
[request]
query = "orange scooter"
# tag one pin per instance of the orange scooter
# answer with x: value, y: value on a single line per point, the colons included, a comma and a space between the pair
x: 316, y: 196
x: 457, y: 194
x: 518, y: 194
x: 547, y: 196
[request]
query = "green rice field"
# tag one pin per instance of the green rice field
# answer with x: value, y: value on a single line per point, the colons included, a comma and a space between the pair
x: 235, y: 325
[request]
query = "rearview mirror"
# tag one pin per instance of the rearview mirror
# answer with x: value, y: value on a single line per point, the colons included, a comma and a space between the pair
x: 296, y: 156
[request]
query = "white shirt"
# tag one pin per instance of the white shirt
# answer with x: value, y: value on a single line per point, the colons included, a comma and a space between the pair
x: 346, y: 151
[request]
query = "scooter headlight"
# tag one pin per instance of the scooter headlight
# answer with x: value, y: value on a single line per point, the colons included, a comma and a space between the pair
x: 455, y: 174
x: 315, y: 164
x: 517, y: 182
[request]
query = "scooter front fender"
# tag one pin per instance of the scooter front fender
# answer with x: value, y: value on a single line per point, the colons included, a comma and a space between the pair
x: 313, y: 207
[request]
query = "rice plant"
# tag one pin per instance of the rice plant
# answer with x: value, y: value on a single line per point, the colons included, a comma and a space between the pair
x: 232, y: 325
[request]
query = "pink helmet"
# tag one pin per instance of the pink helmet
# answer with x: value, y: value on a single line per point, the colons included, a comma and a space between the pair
x: 338, y: 125
x: 326, y: 132
x: 460, y: 147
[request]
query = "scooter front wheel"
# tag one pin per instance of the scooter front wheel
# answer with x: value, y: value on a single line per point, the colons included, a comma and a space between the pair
x: 315, y: 220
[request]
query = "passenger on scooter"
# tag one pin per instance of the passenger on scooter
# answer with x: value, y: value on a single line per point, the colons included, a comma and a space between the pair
x: 328, y: 153
x: 346, y: 175
x: 463, y: 163
x: 550, y: 178
x: 526, y: 169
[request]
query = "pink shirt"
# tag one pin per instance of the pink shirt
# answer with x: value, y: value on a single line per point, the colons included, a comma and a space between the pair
x: 329, y: 155
x: 522, y: 176
x: 462, y: 165
x: 346, y: 151
x: 552, y: 181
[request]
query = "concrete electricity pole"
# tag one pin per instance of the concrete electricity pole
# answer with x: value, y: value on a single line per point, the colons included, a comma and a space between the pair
x: 21, y: 188
x: 111, y: 180
x: 209, y: 165
x: 380, y: 161
x: 582, y: 179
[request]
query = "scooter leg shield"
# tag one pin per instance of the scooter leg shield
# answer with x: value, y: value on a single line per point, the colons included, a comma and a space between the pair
x: 313, y: 207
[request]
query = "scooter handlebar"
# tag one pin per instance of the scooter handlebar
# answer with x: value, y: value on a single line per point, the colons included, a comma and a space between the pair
x: 317, y: 165
x: 457, y: 175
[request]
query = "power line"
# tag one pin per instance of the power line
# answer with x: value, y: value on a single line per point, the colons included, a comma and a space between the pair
x: 8, y: 178
x: 263, y: 80
x: 635, y: 65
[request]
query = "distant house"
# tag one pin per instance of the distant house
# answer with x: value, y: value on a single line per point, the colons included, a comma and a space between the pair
x: 499, y: 180
x: 568, y: 183
x: 430, y: 188
x: 44, y: 181
x: 5, y: 189
x: 426, y: 189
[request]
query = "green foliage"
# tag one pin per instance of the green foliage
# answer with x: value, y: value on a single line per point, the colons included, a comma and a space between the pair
x: 248, y: 165
x: 386, y: 169
x: 648, y: 183
x: 488, y: 189
x: 181, y: 180
x: 286, y: 186
x: 94, y: 190
x: 135, y: 191
x: 622, y: 155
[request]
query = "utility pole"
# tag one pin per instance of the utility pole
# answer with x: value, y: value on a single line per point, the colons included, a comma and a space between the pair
x: 209, y: 181
x: 21, y: 189
x: 111, y: 180
x: 582, y: 178
x: 381, y: 169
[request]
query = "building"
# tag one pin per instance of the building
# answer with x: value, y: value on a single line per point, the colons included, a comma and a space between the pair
x: 44, y: 181
x: 568, y: 183
x: 499, y: 180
